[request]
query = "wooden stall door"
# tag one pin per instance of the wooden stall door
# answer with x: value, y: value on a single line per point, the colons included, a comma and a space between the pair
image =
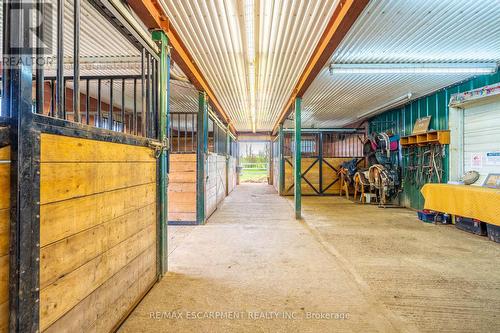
x: 231, y: 174
x: 98, y: 237
x: 182, y: 188
x: 221, y: 178
x: 211, y: 185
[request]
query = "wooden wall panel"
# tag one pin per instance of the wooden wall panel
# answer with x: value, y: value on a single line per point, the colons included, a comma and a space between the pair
x: 4, y: 236
x: 329, y: 175
x: 221, y: 178
x: 231, y: 175
x: 211, y: 185
x: 97, y: 220
x: 182, y: 188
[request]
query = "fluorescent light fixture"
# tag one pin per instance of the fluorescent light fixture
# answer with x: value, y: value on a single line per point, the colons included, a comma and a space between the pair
x: 250, y: 37
x: 415, y: 68
x: 389, y: 105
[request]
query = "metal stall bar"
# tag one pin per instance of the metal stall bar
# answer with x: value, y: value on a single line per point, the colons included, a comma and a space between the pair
x: 60, y: 89
x: 298, y: 159
x: 162, y: 40
x: 24, y: 270
x: 281, y: 155
x: 39, y: 71
x: 201, y: 156
x: 76, y: 62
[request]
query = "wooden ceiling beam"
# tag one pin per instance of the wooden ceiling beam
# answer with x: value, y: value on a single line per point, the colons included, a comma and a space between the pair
x: 344, y: 16
x: 153, y: 16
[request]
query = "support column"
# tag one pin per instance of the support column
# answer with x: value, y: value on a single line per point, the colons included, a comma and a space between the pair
x: 201, y: 156
x: 164, y: 90
x: 24, y: 252
x: 298, y: 160
x: 281, y: 181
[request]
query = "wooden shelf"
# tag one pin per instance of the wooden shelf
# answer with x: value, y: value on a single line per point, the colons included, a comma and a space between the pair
x: 432, y: 137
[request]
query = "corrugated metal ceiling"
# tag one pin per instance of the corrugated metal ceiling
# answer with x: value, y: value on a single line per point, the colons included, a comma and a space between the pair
x: 402, y: 31
x: 286, y: 33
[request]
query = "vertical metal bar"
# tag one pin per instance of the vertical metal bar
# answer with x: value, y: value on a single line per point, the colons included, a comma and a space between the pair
x: 201, y: 157
x: 76, y: 61
x: 192, y: 132
x: 40, y: 79
x: 164, y: 78
x: 320, y: 158
x: 52, y: 99
x: 185, y: 132
x: 24, y: 228
x: 123, y: 105
x: 298, y: 160
x: 134, y: 117
x: 281, y: 151
x: 60, y: 91
x: 178, y: 126
x: 97, y: 117
x: 143, y: 93
x: 111, y: 103
x: 87, y: 102
x: 148, y: 95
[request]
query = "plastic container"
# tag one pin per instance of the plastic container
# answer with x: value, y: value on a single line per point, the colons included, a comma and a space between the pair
x: 493, y: 232
x: 429, y: 217
x: 470, y: 225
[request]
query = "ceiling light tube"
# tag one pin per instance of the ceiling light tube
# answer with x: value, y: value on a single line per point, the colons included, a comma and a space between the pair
x: 389, y: 105
x: 250, y: 39
x: 415, y: 68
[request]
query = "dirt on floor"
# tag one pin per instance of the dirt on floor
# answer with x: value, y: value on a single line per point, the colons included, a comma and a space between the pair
x: 344, y: 268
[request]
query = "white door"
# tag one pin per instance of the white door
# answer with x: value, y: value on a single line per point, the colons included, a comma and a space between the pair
x: 481, y: 140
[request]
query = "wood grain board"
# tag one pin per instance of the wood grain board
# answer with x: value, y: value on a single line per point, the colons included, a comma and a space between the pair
x: 182, y: 188
x: 97, y: 217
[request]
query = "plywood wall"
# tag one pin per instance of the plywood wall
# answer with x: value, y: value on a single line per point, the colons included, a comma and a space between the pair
x: 182, y: 188
x: 4, y: 236
x: 97, y: 232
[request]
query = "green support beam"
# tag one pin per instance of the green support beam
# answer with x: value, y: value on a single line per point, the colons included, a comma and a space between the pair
x: 164, y: 82
x: 201, y: 156
x: 281, y: 181
x: 298, y: 160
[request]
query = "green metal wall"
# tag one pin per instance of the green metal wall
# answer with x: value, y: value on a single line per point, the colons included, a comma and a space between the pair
x: 401, y: 121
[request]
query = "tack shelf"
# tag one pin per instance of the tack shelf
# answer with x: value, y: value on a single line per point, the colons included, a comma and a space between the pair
x: 428, y: 138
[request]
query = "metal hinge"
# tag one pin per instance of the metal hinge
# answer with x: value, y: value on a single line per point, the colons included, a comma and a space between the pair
x: 159, y: 146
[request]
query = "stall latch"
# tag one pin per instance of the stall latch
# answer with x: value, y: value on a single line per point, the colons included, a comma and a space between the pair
x: 159, y: 146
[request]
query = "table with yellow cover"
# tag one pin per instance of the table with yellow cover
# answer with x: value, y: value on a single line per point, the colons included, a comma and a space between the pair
x: 476, y: 202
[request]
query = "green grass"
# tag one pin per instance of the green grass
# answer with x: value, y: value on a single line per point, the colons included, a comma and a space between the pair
x: 253, y: 176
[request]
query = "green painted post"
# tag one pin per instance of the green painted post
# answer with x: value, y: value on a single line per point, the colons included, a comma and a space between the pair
x: 281, y: 140
x: 164, y: 91
x: 201, y: 156
x: 298, y: 160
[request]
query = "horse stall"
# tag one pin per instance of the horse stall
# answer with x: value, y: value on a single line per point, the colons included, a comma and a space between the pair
x: 195, y: 191
x: 81, y: 165
x: 216, y: 165
x: 183, y: 117
x: 323, y: 153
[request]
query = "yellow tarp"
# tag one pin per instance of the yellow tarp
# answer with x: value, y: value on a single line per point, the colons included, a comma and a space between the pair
x: 468, y: 201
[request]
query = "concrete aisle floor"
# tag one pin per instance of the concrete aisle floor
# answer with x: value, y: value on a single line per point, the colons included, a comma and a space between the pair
x: 345, y: 268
